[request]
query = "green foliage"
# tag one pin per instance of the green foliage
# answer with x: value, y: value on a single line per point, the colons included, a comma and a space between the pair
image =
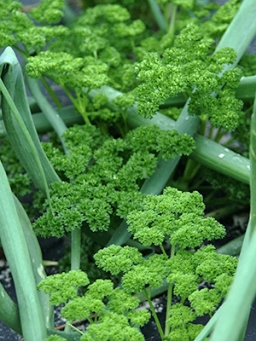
x: 102, y: 44
x: 113, y: 327
x: 17, y: 27
x: 196, y: 273
x: 221, y: 18
x: 234, y: 191
x: 94, y: 52
x: 19, y: 180
x: 181, y: 323
x: 111, y: 312
x: 66, y: 70
x: 64, y: 286
x: 212, y: 18
x: 118, y: 259
x: 48, y: 11
x: 106, y: 175
x: 188, y: 332
x: 150, y: 274
x: 188, y: 68
x: 88, y: 248
x: 203, y: 265
x: 175, y: 215
x: 248, y: 64
x: 102, y: 173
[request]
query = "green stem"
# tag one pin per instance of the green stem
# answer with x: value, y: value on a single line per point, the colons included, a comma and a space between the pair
x: 203, y: 125
x: 67, y: 328
x: 241, y: 30
x: 158, y: 15
x: 169, y: 299
x: 162, y: 249
x: 253, y: 172
x: 81, y: 108
x: 168, y: 306
x: 153, y: 311
x: 60, y: 127
x: 173, y: 11
x: 235, y: 311
x: 51, y: 115
x: 23, y: 53
x: 207, y: 152
x: 220, y: 134
x: 191, y: 170
x: 75, y: 249
x: 79, y: 104
x: 221, y: 159
x: 76, y: 329
x: 246, y: 88
x: 51, y: 92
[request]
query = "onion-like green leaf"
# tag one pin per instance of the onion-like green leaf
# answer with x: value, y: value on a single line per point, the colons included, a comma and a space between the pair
x: 19, y: 124
x: 16, y: 251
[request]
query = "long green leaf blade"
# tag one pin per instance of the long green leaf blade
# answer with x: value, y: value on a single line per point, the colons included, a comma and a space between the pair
x: 36, y: 260
x: 15, y: 248
x: 19, y: 124
x: 9, y: 312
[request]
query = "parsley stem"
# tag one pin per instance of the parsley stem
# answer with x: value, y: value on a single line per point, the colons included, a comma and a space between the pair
x: 162, y: 249
x: 168, y: 307
x: 153, y: 311
x: 76, y: 329
x: 169, y: 299
x: 51, y: 92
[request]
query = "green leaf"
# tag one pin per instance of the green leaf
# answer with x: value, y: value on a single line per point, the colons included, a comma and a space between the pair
x: 19, y: 124
x: 9, y: 312
x: 36, y: 257
x: 15, y: 248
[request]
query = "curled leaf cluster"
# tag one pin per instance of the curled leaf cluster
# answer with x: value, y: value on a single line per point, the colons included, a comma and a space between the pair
x: 64, y: 69
x: 48, y: 11
x: 96, y: 50
x: 188, y: 67
x: 106, y: 175
x: 18, y: 29
x: 112, y: 312
x: 196, y: 274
